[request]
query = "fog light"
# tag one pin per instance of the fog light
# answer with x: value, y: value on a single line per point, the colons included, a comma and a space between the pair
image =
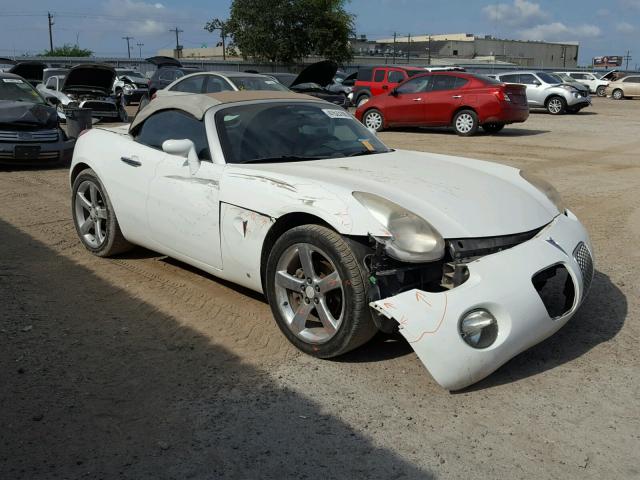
x: 479, y: 329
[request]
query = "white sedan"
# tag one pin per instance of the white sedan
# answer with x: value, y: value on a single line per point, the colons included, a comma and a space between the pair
x: 471, y: 261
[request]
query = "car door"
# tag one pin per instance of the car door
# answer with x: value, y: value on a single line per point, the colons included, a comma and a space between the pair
x: 379, y: 76
x: 631, y: 86
x: 407, y: 105
x: 442, y: 99
x: 535, y: 89
x: 183, y: 207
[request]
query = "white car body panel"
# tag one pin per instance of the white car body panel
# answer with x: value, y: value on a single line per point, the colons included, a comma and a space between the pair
x: 217, y: 219
x: 501, y: 283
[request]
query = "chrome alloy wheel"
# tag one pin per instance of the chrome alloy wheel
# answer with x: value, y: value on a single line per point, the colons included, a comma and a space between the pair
x: 373, y: 120
x: 555, y: 105
x: 617, y: 94
x: 310, y: 293
x: 91, y: 214
x: 464, y: 123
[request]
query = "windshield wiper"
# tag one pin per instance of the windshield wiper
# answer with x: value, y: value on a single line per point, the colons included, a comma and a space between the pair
x: 283, y: 158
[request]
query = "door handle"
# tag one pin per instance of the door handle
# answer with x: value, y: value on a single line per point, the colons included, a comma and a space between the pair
x: 131, y: 161
x: 457, y: 96
x: 416, y: 99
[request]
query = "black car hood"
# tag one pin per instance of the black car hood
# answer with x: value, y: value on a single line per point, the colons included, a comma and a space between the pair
x: 23, y: 114
x: 91, y: 78
x: 30, y: 71
x: 160, y: 61
x: 321, y: 73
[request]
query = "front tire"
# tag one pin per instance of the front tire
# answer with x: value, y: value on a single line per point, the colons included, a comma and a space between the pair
x: 94, y: 217
x: 373, y: 119
x: 556, y: 105
x: 493, y: 127
x: 617, y: 94
x: 316, y: 290
x: 601, y: 91
x: 465, y: 123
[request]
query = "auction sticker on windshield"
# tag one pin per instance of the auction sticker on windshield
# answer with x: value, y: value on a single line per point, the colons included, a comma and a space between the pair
x: 331, y: 113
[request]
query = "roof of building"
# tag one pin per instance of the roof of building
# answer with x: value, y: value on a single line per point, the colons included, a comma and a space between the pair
x: 197, y: 104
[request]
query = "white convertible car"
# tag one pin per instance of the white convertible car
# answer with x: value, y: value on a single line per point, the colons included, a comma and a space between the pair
x: 472, y: 262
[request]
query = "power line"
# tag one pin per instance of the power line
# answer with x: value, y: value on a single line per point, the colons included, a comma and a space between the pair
x: 128, y: 47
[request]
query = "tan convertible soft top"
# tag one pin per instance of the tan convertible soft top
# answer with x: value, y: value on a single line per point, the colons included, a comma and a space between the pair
x: 198, y: 103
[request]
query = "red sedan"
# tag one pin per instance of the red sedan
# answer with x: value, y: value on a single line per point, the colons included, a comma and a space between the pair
x: 462, y: 100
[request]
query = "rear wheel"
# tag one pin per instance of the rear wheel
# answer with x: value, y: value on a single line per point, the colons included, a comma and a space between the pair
x: 465, y: 123
x: 94, y: 217
x: 556, y: 105
x: 617, y: 94
x: 601, y: 91
x: 373, y: 119
x: 317, y: 293
x: 493, y: 127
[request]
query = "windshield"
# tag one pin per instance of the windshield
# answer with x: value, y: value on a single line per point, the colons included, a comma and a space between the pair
x: 279, y: 132
x: 258, y: 83
x: 548, y: 78
x: 564, y: 76
x: 17, y: 90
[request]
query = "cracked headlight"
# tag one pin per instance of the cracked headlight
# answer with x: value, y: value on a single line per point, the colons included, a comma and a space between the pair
x: 546, y: 188
x: 413, y: 239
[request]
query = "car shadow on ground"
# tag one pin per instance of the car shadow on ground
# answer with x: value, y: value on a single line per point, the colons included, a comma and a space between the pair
x: 598, y: 320
x: 97, y: 383
x: 507, y: 132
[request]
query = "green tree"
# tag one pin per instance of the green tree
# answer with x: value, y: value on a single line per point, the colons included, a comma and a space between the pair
x: 67, y: 50
x: 289, y: 30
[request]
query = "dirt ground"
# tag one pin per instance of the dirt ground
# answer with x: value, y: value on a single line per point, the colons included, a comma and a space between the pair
x: 140, y: 367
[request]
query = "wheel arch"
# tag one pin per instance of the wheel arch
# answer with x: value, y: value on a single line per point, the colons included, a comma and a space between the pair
x: 75, y: 171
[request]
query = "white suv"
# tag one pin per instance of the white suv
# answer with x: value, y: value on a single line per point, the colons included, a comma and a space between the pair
x: 595, y: 84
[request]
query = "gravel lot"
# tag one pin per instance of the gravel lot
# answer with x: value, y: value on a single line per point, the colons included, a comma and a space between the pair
x: 141, y: 367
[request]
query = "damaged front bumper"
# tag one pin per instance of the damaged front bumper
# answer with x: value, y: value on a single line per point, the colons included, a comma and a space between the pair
x: 503, y: 284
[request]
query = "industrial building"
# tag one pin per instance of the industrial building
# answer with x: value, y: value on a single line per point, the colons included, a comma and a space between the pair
x: 466, y: 48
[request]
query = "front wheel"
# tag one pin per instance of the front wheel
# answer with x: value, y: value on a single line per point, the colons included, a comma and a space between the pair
x: 601, y: 91
x: 556, y: 105
x: 617, y: 94
x: 94, y: 217
x: 374, y: 120
x: 493, y: 127
x: 316, y: 291
x: 465, y: 123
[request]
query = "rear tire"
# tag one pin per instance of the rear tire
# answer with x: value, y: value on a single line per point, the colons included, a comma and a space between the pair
x: 94, y: 217
x: 297, y: 296
x: 617, y: 94
x: 492, y: 127
x: 465, y: 123
x: 601, y: 91
x: 373, y: 119
x: 556, y: 105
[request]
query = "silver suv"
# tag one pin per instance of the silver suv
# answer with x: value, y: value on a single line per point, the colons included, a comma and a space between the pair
x: 545, y: 90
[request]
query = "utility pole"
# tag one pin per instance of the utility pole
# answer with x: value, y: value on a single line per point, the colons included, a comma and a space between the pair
x: 627, y: 57
x: 51, y: 24
x: 128, y: 47
x: 394, y: 48
x: 140, y: 45
x: 217, y: 24
x: 429, y: 49
x: 409, y: 48
x: 177, y: 32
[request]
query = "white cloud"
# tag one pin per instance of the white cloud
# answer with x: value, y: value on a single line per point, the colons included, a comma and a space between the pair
x: 624, y: 27
x: 520, y: 12
x: 560, y: 31
x: 148, y: 27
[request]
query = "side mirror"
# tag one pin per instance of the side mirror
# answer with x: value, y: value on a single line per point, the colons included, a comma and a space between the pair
x: 183, y: 148
x: 536, y: 83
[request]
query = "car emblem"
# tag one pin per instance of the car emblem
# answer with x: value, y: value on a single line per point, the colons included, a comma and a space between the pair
x: 551, y: 241
x: 24, y: 136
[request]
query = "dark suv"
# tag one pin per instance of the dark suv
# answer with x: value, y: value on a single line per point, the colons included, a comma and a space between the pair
x: 169, y: 70
x: 374, y: 81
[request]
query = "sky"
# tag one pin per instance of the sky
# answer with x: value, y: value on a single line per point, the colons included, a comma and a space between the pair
x: 602, y: 28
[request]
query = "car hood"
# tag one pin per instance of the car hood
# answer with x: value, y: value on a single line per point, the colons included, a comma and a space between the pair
x: 90, y: 78
x: 30, y: 71
x: 25, y: 115
x: 321, y: 73
x: 460, y: 197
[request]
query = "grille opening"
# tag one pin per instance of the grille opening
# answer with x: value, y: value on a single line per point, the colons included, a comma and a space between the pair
x: 556, y: 290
